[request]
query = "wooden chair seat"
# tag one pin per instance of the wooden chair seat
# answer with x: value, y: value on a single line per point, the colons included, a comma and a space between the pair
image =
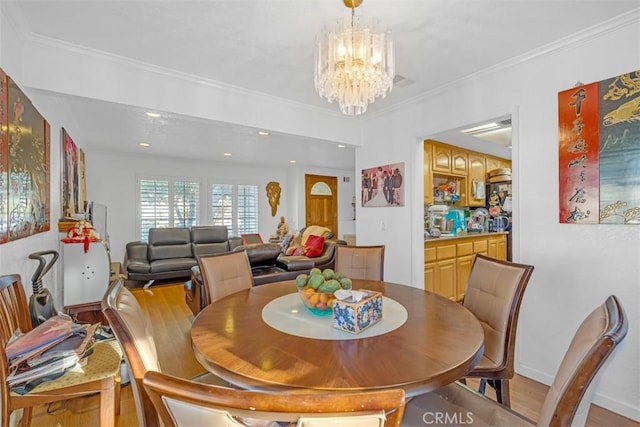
x: 101, y: 374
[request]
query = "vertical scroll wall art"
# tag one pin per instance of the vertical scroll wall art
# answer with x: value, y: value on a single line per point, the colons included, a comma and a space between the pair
x: 24, y: 165
x: 599, y: 151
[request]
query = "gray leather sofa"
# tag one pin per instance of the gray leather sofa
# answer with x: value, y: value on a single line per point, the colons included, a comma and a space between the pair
x: 267, y: 265
x: 171, y: 252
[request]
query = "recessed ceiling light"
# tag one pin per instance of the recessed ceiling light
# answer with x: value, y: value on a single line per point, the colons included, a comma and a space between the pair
x: 150, y: 114
x: 228, y: 154
x: 340, y: 146
x: 263, y: 133
x: 292, y: 161
x: 144, y: 144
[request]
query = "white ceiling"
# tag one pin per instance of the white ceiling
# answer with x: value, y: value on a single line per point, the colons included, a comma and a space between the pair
x: 266, y: 46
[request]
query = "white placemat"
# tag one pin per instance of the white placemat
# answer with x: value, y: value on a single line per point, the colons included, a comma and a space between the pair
x: 287, y: 314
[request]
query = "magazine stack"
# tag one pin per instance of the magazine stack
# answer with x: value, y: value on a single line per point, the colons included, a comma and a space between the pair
x: 48, y: 351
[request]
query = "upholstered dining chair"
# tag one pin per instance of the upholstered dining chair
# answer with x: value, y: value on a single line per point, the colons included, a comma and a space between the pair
x: 130, y: 327
x: 360, y: 262
x: 101, y: 374
x: 493, y: 294
x: 224, y: 274
x: 182, y: 403
x: 569, y: 397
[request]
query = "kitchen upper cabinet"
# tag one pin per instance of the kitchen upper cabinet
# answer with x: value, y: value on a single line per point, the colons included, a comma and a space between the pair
x: 428, y: 175
x: 492, y: 163
x: 476, y: 180
x: 459, y: 162
x: 441, y: 158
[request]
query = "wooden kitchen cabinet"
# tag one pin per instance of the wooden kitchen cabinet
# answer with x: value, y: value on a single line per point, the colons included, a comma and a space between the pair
x: 463, y: 269
x: 440, y: 158
x: 428, y: 175
x: 492, y: 163
x: 448, y: 261
x: 459, y: 161
x: 476, y: 178
x: 445, y: 278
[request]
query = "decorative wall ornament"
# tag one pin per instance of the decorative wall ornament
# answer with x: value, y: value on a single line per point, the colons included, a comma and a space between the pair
x: 273, y: 195
x: 599, y: 151
x: 70, y: 185
x: 24, y: 165
x: 383, y: 185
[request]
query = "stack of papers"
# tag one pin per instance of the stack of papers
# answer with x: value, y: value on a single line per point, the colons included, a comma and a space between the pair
x: 48, y: 350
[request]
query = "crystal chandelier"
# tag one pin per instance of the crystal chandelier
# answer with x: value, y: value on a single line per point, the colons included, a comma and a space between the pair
x: 354, y: 62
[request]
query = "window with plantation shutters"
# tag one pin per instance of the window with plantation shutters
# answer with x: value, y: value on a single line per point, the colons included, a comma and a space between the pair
x: 236, y: 207
x: 167, y: 202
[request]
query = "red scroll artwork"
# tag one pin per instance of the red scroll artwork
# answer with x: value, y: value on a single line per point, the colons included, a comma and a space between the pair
x: 578, y: 162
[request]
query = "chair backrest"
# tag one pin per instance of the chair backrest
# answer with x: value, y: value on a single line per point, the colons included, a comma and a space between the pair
x: 360, y: 262
x: 14, y: 315
x: 182, y: 402
x: 128, y: 323
x: 590, y: 347
x: 493, y: 294
x: 224, y: 274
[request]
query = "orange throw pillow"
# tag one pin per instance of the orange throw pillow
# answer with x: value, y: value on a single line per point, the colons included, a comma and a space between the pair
x: 313, y: 247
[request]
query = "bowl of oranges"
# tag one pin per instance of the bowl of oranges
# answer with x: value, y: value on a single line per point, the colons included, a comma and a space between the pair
x: 316, y: 289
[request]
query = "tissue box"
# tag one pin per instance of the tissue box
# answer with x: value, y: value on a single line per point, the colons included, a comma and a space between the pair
x: 355, y: 317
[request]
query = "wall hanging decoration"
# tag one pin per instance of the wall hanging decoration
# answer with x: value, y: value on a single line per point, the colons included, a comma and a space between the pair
x: 599, y: 151
x: 273, y: 195
x: 24, y: 165
x: 383, y: 185
x: 71, y: 174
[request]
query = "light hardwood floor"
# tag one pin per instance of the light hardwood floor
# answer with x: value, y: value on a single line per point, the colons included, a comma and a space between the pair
x: 171, y: 319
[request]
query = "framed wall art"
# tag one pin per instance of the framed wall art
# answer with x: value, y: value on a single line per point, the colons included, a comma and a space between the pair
x: 24, y: 165
x: 71, y: 174
x: 599, y: 151
x: 383, y: 185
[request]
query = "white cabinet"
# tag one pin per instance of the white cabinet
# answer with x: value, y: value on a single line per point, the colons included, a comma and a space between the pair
x: 85, y: 275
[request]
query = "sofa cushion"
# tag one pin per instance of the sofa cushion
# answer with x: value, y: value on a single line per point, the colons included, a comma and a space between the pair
x: 313, y: 247
x: 316, y: 230
x: 169, y: 243
x: 209, y: 234
x: 161, y: 265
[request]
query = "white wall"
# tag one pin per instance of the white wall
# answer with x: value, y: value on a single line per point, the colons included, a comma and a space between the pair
x: 14, y: 255
x: 576, y: 266
x: 111, y: 180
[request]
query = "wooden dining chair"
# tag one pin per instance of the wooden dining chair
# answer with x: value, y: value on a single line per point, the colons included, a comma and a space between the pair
x: 183, y: 403
x: 360, y: 262
x: 494, y: 294
x: 130, y: 327
x: 568, y: 399
x: 101, y: 374
x: 224, y: 274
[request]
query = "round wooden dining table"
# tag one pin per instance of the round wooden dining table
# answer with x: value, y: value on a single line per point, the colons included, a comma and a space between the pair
x: 437, y: 342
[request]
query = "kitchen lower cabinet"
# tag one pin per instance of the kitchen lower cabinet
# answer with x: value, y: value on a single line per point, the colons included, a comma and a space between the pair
x: 448, y: 261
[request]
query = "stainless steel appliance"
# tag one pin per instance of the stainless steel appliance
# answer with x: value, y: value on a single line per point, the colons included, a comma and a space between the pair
x: 499, y: 205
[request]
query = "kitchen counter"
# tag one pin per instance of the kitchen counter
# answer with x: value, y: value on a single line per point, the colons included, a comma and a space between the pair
x: 461, y: 236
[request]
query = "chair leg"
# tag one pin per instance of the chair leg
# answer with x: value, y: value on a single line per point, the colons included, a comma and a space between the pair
x: 25, y: 421
x: 502, y: 392
x: 117, y: 390
x: 107, y: 403
x: 482, y: 386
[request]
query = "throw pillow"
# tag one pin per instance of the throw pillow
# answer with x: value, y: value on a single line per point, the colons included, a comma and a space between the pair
x: 313, y: 247
x: 315, y: 230
x: 285, y: 242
